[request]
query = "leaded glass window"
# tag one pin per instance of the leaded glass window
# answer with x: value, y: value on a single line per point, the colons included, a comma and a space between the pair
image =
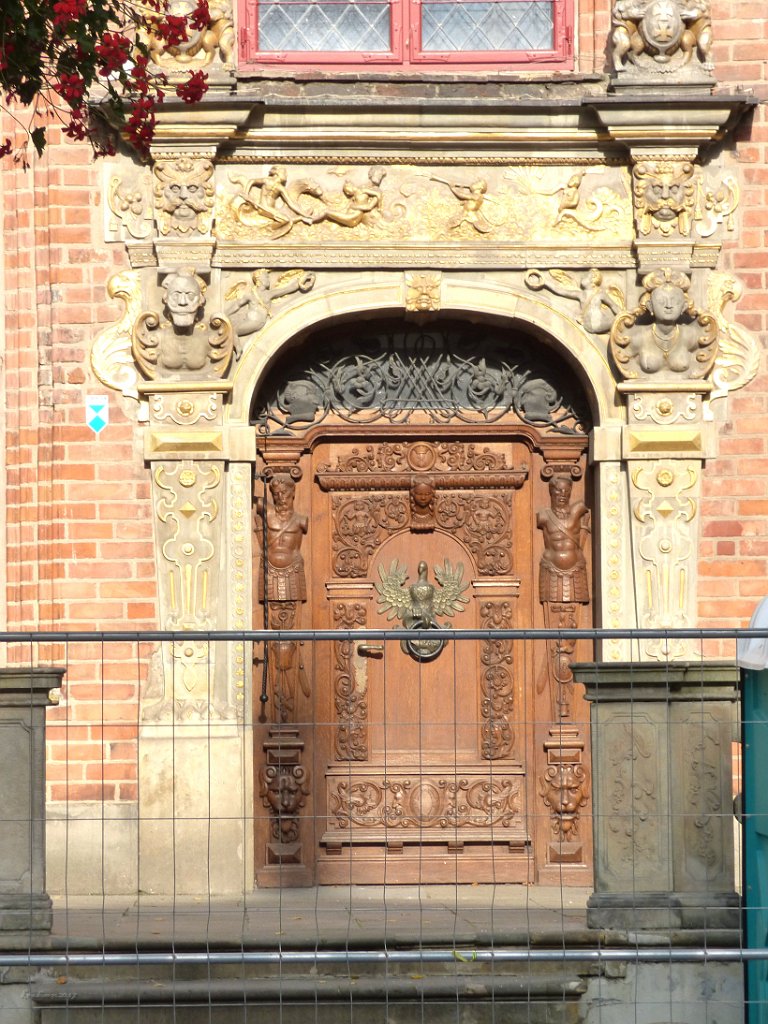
x: 342, y: 26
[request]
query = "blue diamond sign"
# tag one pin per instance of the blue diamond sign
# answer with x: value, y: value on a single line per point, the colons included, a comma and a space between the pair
x: 97, y: 412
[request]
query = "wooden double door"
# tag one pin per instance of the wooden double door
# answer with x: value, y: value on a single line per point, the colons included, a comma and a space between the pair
x: 426, y: 761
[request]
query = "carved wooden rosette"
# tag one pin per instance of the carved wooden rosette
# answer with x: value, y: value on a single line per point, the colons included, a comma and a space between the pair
x: 350, y: 698
x: 284, y: 788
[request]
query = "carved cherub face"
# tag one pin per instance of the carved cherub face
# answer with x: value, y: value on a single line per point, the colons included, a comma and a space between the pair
x: 183, y: 297
x: 422, y: 496
x: 667, y: 304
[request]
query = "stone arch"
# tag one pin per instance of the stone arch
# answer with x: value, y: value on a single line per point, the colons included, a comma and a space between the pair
x: 366, y: 297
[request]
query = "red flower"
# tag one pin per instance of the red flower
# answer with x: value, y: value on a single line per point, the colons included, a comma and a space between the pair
x: 113, y: 52
x: 195, y: 87
x: 71, y: 88
x: 200, y: 18
x: 173, y: 29
x: 66, y: 11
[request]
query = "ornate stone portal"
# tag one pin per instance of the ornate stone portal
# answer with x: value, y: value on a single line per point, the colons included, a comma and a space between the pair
x: 600, y: 250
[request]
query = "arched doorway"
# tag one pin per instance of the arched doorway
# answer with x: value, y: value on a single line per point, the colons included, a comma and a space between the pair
x: 411, y: 465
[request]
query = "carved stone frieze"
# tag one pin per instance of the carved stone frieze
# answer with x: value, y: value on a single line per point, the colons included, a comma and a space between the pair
x: 444, y: 375
x: 716, y: 204
x: 664, y: 497
x: 497, y: 703
x: 186, y: 409
x: 111, y: 356
x: 397, y: 800
x: 184, y: 196
x: 665, y: 337
x: 350, y: 697
x: 359, y: 527
x: 665, y: 196
x: 187, y: 500
x: 663, y: 41
x: 408, y: 203
x: 665, y: 408
x: 183, y: 346
x: 600, y: 302
x: 249, y: 305
x: 130, y: 202
x: 214, y: 44
x: 632, y: 811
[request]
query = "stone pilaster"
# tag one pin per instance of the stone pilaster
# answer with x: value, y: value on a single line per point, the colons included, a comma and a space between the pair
x: 662, y: 808
x: 25, y: 907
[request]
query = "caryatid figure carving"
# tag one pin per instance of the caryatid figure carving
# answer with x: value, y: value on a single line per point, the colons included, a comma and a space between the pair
x: 563, y: 582
x: 281, y: 575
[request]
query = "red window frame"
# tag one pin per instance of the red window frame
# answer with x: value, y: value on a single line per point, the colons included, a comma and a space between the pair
x: 405, y: 51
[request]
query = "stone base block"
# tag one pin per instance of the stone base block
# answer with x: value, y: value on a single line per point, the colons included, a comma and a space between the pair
x: 25, y: 915
x: 632, y: 911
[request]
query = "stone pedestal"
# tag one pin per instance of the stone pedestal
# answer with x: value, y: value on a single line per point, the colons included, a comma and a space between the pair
x: 662, y: 800
x: 25, y: 907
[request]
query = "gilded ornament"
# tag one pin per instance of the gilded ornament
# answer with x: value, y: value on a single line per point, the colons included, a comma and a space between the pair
x: 472, y: 199
x: 184, y: 192
x: 422, y: 292
x: 738, y: 355
x: 111, y: 358
x: 716, y: 205
x: 665, y: 336
x: 665, y: 196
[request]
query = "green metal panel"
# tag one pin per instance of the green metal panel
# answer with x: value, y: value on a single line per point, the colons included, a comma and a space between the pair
x: 755, y: 807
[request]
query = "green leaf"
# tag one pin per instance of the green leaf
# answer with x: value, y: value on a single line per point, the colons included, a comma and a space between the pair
x: 38, y: 139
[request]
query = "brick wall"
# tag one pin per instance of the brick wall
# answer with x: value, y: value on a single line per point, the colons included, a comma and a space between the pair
x: 79, y: 536
x: 734, y: 552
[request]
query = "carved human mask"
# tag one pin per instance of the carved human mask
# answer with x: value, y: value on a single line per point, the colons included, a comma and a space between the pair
x: 667, y: 303
x: 183, y: 297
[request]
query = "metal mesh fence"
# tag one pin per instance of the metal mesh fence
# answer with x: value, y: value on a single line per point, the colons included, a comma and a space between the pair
x: 389, y: 825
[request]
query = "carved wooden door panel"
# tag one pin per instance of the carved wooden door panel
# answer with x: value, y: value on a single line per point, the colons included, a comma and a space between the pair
x: 420, y: 769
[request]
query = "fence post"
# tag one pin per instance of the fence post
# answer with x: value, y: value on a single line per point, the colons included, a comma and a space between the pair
x: 662, y: 794
x: 25, y: 907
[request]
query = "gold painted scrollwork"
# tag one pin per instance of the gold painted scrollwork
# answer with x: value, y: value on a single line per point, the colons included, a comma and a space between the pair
x: 738, y: 356
x: 111, y: 358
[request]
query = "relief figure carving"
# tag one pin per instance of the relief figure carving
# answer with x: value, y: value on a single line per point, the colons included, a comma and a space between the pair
x: 563, y: 583
x: 600, y: 303
x: 183, y: 345
x: 281, y: 577
x: 472, y: 198
x: 422, y: 502
x: 661, y: 33
x: 202, y: 45
x: 249, y: 307
x: 665, y: 335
